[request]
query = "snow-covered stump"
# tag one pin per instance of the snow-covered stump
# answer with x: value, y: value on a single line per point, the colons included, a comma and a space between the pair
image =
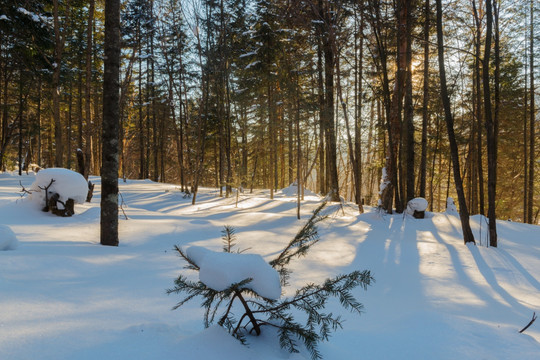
x: 417, y: 207
x: 8, y: 239
x: 58, y: 190
x: 451, y: 207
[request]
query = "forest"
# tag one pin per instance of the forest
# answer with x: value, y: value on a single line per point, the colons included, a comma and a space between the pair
x: 374, y: 102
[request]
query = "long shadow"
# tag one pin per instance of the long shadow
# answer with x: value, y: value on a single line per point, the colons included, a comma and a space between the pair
x: 531, y: 279
x: 486, y: 272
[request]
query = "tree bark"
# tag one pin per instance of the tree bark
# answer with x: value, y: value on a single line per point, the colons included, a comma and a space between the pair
x: 425, y: 104
x: 88, y: 91
x: 490, y: 128
x: 532, y: 132
x: 463, y: 211
x: 329, y: 63
x: 57, y: 67
x: 478, y: 110
x: 111, y: 97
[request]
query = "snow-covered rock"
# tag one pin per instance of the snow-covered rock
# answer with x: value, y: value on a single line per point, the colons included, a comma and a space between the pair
x: 8, y: 240
x: 417, y: 204
x: 67, y: 184
x: 220, y: 270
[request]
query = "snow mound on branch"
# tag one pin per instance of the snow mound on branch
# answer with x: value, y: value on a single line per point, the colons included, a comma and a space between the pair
x: 220, y: 270
x: 67, y: 184
x: 416, y: 204
x: 8, y: 240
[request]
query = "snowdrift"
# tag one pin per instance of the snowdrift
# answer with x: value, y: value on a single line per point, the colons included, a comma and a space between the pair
x: 63, y: 296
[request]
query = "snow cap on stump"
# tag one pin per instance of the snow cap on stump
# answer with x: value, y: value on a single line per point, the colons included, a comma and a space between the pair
x: 417, y: 204
x: 67, y: 184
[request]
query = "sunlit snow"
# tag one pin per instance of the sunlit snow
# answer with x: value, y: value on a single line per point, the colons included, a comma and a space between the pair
x: 63, y: 296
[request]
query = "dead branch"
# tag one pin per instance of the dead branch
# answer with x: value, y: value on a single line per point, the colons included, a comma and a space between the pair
x: 122, y: 205
x: 46, y: 188
x: 530, y: 323
x: 23, y: 190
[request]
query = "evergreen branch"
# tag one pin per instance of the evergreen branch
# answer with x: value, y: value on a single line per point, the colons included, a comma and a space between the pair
x: 228, y: 234
x: 191, y: 264
x: 303, y: 240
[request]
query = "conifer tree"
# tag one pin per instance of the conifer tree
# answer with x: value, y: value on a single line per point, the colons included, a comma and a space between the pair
x: 259, y: 312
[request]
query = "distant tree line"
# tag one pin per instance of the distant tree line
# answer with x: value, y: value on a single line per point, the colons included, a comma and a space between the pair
x: 343, y: 97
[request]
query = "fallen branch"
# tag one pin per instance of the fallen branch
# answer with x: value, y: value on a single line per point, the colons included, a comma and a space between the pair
x: 530, y: 323
x: 121, y: 205
x: 23, y: 190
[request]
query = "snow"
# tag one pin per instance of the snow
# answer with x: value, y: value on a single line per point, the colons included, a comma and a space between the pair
x: 4, y: 17
x: 416, y: 204
x: 251, y: 53
x: 68, y: 184
x: 8, y: 239
x: 451, y: 207
x: 220, y: 270
x: 63, y: 296
x: 35, y: 17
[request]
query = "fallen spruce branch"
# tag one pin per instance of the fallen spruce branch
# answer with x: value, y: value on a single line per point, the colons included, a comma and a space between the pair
x: 530, y: 323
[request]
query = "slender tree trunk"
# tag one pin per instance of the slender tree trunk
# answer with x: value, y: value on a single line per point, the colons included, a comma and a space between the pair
x: 478, y: 110
x: 525, y: 149
x: 20, y: 122
x: 88, y: 91
x: 322, y: 126
x: 38, y: 115
x: 140, y: 107
x: 111, y: 97
x: 359, y: 70
x: 532, y: 130
x: 492, y: 156
x: 69, y: 126
x: 463, y: 212
x: 58, y: 50
x: 409, y: 110
x: 425, y: 104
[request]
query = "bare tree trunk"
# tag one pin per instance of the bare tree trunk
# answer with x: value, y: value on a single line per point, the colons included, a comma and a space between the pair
x: 359, y: 67
x: 20, y: 122
x: 532, y: 130
x: 425, y: 104
x: 88, y: 91
x: 59, y: 39
x: 463, y: 212
x: 409, y: 110
x: 478, y: 94
x: 525, y: 157
x: 322, y: 126
x: 111, y: 97
x: 492, y: 150
x: 329, y: 63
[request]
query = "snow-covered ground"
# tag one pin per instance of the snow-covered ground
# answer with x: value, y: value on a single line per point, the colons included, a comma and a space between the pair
x: 63, y: 296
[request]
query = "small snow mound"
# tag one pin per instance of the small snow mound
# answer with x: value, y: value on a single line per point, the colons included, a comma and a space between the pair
x: 220, y: 270
x: 8, y: 240
x: 292, y: 191
x: 451, y: 207
x: 68, y: 184
x: 416, y: 204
